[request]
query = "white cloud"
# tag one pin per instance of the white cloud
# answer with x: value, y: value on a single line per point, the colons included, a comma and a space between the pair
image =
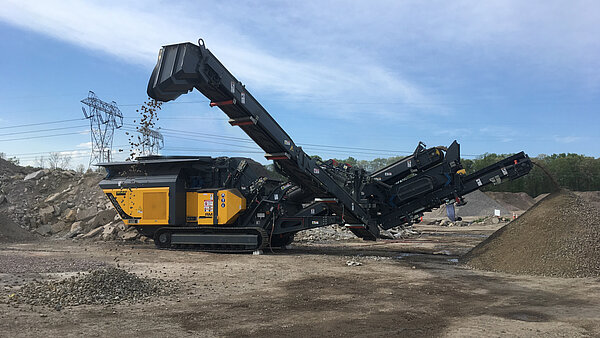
x: 87, y: 145
x: 567, y: 139
x: 340, y: 51
x: 134, y: 31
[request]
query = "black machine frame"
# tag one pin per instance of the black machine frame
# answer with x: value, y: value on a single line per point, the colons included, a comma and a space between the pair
x: 318, y: 193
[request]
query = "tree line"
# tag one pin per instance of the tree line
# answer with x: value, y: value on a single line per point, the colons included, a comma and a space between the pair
x: 572, y: 171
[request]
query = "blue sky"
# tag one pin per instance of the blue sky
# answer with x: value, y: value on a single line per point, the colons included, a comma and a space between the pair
x: 498, y: 76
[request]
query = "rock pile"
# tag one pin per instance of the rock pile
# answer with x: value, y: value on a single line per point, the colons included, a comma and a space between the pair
x: 102, y: 286
x: 340, y: 233
x: 60, y: 203
x: 329, y: 233
x: 556, y: 237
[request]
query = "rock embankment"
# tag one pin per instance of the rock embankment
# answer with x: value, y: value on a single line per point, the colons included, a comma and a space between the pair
x: 58, y: 203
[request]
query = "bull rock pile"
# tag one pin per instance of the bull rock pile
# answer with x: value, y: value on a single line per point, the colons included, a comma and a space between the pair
x: 102, y: 286
x: 557, y: 237
x: 59, y: 203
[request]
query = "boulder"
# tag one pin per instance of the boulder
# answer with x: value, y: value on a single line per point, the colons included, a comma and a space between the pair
x: 129, y: 235
x: 58, y: 227
x: 76, y: 226
x: 103, y: 217
x: 86, y: 214
x: 46, y: 214
x: 70, y: 215
x: 93, y: 233
x: 62, y: 206
x: 109, y: 231
x: 122, y: 226
x: 44, y: 230
x: 35, y: 175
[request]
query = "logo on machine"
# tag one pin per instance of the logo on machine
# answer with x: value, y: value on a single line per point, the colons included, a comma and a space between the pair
x: 316, y: 170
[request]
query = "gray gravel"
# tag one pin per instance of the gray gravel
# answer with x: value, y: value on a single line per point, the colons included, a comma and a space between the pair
x: 12, y: 263
x: 557, y: 237
x: 102, y: 286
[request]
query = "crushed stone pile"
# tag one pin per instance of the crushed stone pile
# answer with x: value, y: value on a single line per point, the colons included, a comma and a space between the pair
x: 591, y: 196
x: 57, y: 203
x: 557, y: 237
x: 512, y: 201
x: 102, y: 286
x: 11, y: 232
x: 478, y: 204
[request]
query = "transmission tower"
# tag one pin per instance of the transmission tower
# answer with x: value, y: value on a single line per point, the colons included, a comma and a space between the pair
x: 104, y: 118
x: 152, y: 141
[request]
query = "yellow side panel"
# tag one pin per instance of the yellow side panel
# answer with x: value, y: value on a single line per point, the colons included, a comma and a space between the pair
x: 231, y: 204
x: 147, y: 205
x: 191, y: 208
x: 205, y: 208
x: 155, y: 206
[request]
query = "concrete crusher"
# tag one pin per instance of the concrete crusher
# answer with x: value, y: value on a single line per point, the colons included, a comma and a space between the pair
x: 236, y: 205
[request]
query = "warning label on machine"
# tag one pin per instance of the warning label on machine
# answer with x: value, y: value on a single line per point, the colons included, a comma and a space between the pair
x: 208, y: 206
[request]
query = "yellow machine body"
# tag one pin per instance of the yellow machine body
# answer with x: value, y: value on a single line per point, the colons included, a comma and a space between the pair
x: 215, y: 207
x: 150, y: 206
x: 144, y: 206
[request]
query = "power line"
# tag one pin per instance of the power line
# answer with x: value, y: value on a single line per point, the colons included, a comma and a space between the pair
x: 183, y: 118
x: 169, y: 103
x: 41, y: 130
x: 41, y: 123
x: 57, y: 151
x: 309, y: 145
x: 35, y: 137
x: 197, y: 139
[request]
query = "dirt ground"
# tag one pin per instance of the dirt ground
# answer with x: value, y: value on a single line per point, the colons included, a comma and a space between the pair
x: 403, y: 288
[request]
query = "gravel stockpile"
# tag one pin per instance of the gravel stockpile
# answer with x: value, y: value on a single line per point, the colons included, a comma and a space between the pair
x: 557, y: 237
x: 478, y: 204
x: 14, y: 263
x: 512, y: 201
x: 591, y: 196
x: 102, y: 286
x: 11, y: 232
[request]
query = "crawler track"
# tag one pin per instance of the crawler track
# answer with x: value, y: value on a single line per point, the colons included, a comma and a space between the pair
x: 212, y: 239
